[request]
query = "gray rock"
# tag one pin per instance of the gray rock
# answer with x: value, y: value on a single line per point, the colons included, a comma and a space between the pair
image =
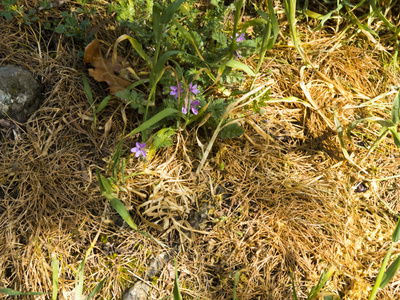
x: 20, y: 93
x: 139, y: 291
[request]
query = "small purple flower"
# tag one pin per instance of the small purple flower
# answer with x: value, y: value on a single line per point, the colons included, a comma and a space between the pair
x: 240, y: 38
x: 193, y: 88
x: 192, y: 107
x: 139, y: 149
x: 176, y: 90
x: 237, y: 55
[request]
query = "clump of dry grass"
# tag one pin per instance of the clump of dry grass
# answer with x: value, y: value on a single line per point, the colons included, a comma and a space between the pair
x: 291, y: 202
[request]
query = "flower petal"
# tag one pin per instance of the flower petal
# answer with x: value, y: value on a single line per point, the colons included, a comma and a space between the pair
x: 195, y: 111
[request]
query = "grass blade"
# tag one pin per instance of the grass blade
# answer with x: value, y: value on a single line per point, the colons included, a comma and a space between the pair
x: 238, y: 65
x: 96, y: 289
x: 314, y: 293
x: 157, y: 26
x: 103, y: 104
x: 135, y: 44
x: 379, y: 278
x: 396, y: 232
x: 158, y: 117
x: 396, y: 109
x: 89, y: 94
x: 235, y: 285
x: 55, y: 278
x: 169, y: 12
x: 12, y: 292
x: 390, y: 272
x: 293, y: 286
x: 123, y: 212
x: 177, y: 293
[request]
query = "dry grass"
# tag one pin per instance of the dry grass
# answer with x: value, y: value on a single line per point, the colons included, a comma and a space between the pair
x: 291, y: 202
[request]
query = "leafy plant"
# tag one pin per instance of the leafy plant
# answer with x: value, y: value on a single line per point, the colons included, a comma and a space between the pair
x: 388, y: 126
x: 71, y: 26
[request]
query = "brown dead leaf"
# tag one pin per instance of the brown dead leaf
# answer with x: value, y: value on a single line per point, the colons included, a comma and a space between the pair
x: 105, y: 69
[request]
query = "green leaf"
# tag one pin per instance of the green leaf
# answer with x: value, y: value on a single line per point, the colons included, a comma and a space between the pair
x: 12, y: 292
x: 238, y: 65
x: 390, y: 272
x: 136, y: 45
x: 275, y: 25
x: 162, y: 138
x: 60, y: 29
x: 379, y: 278
x: 188, y: 36
x: 293, y: 286
x: 157, y: 27
x: 231, y: 131
x: 396, y: 136
x: 396, y: 109
x: 177, y: 293
x: 327, y: 17
x: 6, y: 15
x: 123, y: 212
x: 96, y: 289
x: 169, y: 12
x: 88, y: 90
x: 396, y: 232
x: 235, y: 284
x: 55, y: 278
x: 79, y: 280
x: 158, y: 117
x: 103, y: 104
x: 157, y: 72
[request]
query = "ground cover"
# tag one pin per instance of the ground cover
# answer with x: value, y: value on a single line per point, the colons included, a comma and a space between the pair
x: 281, y: 197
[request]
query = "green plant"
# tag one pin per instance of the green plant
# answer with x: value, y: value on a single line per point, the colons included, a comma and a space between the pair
x: 71, y: 26
x: 383, y: 278
x: 12, y: 8
x: 177, y: 293
x: 78, y: 280
x: 388, y: 126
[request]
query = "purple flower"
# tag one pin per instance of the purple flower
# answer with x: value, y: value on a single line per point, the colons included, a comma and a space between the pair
x: 139, y: 149
x: 192, y: 107
x: 193, y: 88
x: 240, y: 38
x: 175, y: 90
x: 237, y: 54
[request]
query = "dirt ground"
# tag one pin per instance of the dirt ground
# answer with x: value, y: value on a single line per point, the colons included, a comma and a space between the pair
x: 290, y: 201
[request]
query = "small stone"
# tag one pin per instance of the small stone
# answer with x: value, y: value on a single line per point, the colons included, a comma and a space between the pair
x: 20, y: 93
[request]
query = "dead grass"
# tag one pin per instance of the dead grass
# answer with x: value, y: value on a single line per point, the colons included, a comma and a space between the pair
x: 291, y: 201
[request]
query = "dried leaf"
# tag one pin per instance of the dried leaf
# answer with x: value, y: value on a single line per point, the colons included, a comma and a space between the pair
x: 105, y: 69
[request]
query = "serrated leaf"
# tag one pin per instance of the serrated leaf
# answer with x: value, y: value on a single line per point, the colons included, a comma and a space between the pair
x: 163, y: 138
x: 231, y: 131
